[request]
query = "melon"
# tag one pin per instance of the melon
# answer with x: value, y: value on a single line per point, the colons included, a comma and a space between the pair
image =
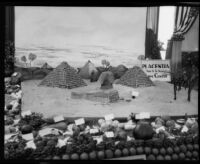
x: 125, y: 152
x: 181, y: 156
x: 169, y: 151
x: 84, y: 156
x: 139, y: 150
x: 26, y: 129
x: 174, y: 157
x: 155, y: 151
x: 159, y: 157
x: 118, y: 153
x: 65, y: 157
x: 177, y: 149
x: 109, y: 154
x: 183, y: 148
x: 101, y: 155
x: 74, y: 156
x: 143, y: 131
x: 132, y: 151
x: 151, y: 157
x: 92, y: 155
x: 188, y: 154
x: 162, y: 151
x: 189, y: 147
x: 167, y: 157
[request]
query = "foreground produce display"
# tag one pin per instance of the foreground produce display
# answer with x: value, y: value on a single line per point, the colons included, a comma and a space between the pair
x: 29, y: 135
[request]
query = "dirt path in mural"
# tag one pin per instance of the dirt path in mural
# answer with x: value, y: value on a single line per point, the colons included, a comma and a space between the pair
x: 158, y: 100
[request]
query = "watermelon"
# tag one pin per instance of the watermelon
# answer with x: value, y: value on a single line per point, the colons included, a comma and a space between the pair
x: 151, y: 157
x: 188, y: 154
x: 84, y: 156
x: 159, y: 157
x: 162, y: 151
x: 125, y: 152
x: 109, y: 153
x: 189, y: 147
x: 174, y: 157
x: 92, y: 155
x: 132, y: 151
x: 183, y: 148
x: 65, y: 157
x: 117, y: 153
x: 74, y: 156
x: 169, y: 151
x: 181, y: 156
x: 167, y: 157
x: 26, y: 129
x: 177, y: 149
x: 101, y: 155
x: 139, y: 150
x: 155, y: 151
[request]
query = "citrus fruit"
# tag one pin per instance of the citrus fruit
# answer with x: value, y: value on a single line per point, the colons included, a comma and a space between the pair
x: 132, y: 151
x: 196, y: 147
x: 151, y: 157
x: 195, y: 154
x: 66, y: 157
x: 188, y: 154
x: 183, y: 148
x: 93, y: 155
x: 84, y: 156
x: 177, y: 149
x: 139, y: 150
x: 101, y: 155
x: 167, y: 157
x: 109, y: 153
x: 56, y: 158
x: 159, y: 157
x: 189, y: 147
x: 174, y: 157
x: 118, y: 153
x: 169, y: 150
x: 181, y: 156
x: 162, y: 151
x: 75, y: 156
x: 155, y: 151
x: 147, y: 150
x: 125, y: 152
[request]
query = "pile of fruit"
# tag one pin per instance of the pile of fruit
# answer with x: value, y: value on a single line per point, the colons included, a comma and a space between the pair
x: 32, y: 136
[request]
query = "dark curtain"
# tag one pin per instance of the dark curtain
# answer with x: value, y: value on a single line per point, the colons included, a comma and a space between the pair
x: 9, y: 40
x: 184, y: 19
x: 152, y: 50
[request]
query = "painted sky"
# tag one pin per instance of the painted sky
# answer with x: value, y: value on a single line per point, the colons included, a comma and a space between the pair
x: 121, y: 28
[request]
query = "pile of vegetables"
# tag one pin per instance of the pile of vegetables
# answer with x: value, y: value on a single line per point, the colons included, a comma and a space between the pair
x: 163, y: 139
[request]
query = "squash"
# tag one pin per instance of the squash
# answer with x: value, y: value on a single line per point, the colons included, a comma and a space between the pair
x: 59, y: 125
x: 143, y: 131
x: 170, y: 124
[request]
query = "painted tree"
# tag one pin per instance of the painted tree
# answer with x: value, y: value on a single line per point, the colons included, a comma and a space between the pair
x: 23, y: 58
x: 32, y: 57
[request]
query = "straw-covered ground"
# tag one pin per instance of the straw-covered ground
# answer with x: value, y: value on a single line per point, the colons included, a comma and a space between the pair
x: 158, y: 100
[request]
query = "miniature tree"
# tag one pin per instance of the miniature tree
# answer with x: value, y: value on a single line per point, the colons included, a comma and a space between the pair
x: 32, y: 57
x: 23, y: 58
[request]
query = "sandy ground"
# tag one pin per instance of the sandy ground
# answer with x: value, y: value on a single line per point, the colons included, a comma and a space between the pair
x: 158, y: 100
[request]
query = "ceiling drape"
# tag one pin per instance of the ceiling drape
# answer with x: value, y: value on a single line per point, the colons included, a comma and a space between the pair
x: 151, y: 44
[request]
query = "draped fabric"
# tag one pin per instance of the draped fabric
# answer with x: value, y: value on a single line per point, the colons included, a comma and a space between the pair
x: 151, y: 44
x: 184, y: 20
x: 9, y: 40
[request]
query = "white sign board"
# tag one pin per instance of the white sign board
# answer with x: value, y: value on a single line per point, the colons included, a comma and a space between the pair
x: 80, y: 121
x: 109, y: 134
x: 28, y: 137
x: 109, y: 117
x: 26, y: 113
x: 142, y: 115
x: 58, y: 118
x: 157, y: 70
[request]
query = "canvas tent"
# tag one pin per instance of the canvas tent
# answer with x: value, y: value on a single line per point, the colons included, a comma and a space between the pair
x: 87, y: 70
x: 46, y: 66
x: 135, y: 77
x: 63, y: 76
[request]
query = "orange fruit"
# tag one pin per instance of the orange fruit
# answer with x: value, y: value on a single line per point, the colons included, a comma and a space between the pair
x: 132, y: 151
x: 75, y: 156
x: 118, y: 153
x: 169, y: 150
x: 167, y: 157
x: 65, y: 157
x: 174, y: 157
x: 159, y: 157
x: 92, y: 155
x: 151, y: 157
x: 109, y: 153
x: 189, y: 147
x: 155, y: 151
x: 101, y: 155
x: 125, y: 152
x: 84, y: 156
x: 188, y: 154
x: 163, y: 151
x: 181, y: 156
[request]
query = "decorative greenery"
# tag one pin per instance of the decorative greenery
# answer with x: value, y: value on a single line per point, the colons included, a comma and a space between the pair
x: 9, y: 57
x: 32, y: 57
x: 177, y: 37
x: 105, y: 63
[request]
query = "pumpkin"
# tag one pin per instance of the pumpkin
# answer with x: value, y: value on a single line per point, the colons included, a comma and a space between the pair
x: 143, y: 131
